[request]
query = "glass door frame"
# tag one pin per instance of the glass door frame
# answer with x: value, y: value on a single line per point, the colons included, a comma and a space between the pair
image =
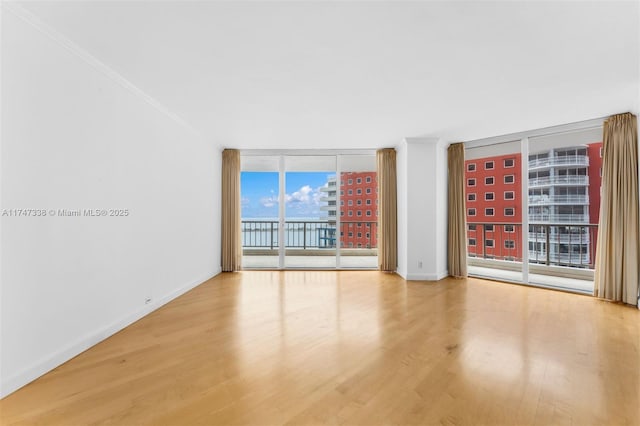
x: 282, y: 154
x: 524, y: 137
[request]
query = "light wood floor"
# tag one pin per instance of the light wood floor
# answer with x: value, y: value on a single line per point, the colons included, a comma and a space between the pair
x: 352, y: 348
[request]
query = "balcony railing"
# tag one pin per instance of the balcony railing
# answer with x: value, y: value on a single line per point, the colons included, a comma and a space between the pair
x: 570, y: 245
x: 559, y: 180
x: 264, y: 234
x: 572, y: 160
x: 558, y: 199
x: 559, y: 217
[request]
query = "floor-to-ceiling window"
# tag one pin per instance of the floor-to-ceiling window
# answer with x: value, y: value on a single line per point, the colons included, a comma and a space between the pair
x: 533, y: 206
x: 310, y: 210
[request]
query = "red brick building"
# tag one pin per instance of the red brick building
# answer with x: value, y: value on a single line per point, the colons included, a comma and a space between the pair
x: 493, y: 188
x: 359, y: 209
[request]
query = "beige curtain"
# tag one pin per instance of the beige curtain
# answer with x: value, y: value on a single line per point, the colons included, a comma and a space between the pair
x: 457, y: 223
x: 387, y: 210
x: 231, y: 231
x: 618, y: 248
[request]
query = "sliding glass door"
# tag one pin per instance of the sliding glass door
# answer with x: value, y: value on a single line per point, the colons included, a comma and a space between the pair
x: 260, y: 214
x: 564, y: 205
x: 309, y: 211
x: 493, y: 183
x: 358, y: 212
x: 535, y: 221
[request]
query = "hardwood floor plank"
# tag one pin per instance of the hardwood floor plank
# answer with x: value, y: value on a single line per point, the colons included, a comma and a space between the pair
x: 340, y: 348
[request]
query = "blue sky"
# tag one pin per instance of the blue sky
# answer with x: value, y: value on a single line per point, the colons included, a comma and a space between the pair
x: 259, y: 194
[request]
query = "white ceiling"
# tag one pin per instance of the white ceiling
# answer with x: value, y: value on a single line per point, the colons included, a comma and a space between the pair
x: 365, y: 75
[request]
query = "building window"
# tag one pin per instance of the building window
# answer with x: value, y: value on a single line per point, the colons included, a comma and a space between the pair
x: 342, y: 213
x: 368, y: 202
x: 368, y: 180
x: 350, y: 245
x: 342, y: 202
x: 359, y: 234
x: 471, y: 167
x: 509, y: 228
x: 359, y: 213
x: 471, y: 182
x: 359, y: 180
x: 342, y: 192
x: 359, y: 202
x: 509, y: 179
x: 488, y: 228
x: 509, y: 244
x: 488, y: 243
x: 471, y: 212
x: 509, y: 162
x: 350, y: 181
x: 471, y: 197
x: 471, y: 227
x: 488, y: 211
x: 358, y: 191
x: 368, y: 212
x: 368, y: 191
x: 600, y: 152
x: 350, y: 212
x: 472, y: 241
x: 350, y: 202
x: 488, y: 196
x: 600, y: 171
x: 509, y: 211
x: 488, y: 165
x: 351, y: 234
x: 488, y: 180
x: 509, y: 195
x: 350, y: 192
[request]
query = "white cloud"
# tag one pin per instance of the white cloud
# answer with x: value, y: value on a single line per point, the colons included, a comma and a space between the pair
x: 304, y: 200
x: 269, y: 201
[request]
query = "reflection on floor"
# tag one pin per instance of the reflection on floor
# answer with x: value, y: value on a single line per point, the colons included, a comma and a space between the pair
x: 572, y: 284
x: 311, y: 262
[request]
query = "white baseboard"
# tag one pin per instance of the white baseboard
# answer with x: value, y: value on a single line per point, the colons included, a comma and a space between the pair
x: 16, y: 381
x: 426, y: 276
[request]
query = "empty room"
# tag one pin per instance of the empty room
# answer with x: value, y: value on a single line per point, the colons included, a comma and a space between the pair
x: 319, y: 212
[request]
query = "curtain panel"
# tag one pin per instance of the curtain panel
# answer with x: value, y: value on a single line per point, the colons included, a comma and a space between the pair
x: 387, y: 210
x: 617, y: 275
x: 457, y: 223
x: 231, y: 222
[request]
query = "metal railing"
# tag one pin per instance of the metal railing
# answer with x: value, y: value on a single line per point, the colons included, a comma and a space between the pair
x: 559, y: 180
x: 570, y: 245
x: 305, y: 234
x: 558, y: 199
x: 559, y: 217
x: 577, y: 160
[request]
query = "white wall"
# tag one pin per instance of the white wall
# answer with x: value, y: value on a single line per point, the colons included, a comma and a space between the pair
x: 76, y: 136
x: 422, y: 209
